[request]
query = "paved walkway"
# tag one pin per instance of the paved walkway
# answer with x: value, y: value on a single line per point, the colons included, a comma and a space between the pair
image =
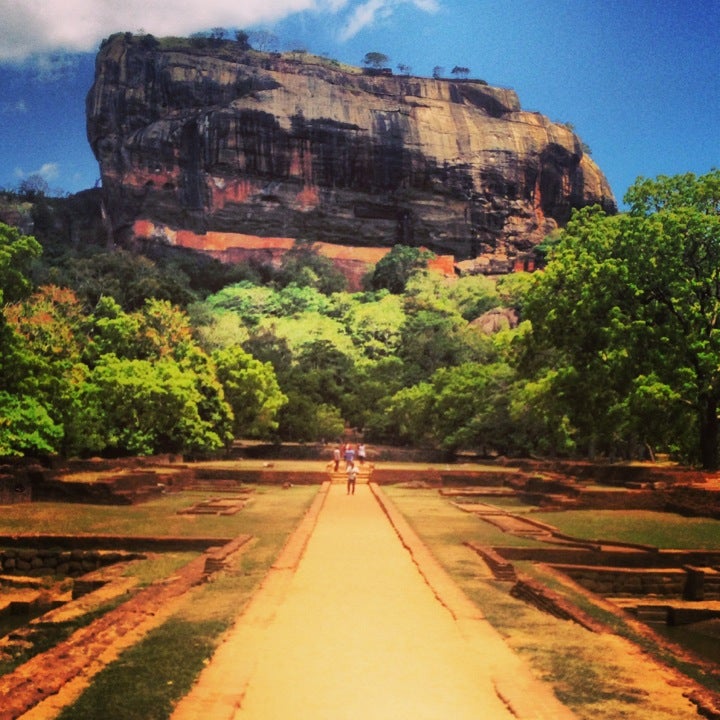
x: 356, y: 621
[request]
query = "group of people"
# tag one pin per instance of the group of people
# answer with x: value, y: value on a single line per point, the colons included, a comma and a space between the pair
x: 350, y: 454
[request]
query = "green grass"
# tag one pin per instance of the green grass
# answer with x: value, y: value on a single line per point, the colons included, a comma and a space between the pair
x: 662, y: 530
x: 158, y: 565
x: 149, y: 678
x: 445, y: 524
x: 157, y: 517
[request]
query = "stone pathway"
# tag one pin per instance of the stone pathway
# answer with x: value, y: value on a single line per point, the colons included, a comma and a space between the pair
x: 357, y: 620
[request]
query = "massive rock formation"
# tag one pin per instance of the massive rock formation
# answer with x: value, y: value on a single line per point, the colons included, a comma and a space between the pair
x: 198, y: 139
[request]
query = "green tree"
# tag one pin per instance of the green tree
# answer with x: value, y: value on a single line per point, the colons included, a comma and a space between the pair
x: 50, y: 339
x: 296, y: 299
x: 375, y: 325
x: 328, y: 422
x: 114, y: 331
x: 251, y: 389
x: 307, y: 328
x: 319, y: 374
x: 469, y: 408
x: 26, y: 428
x: 375, y: 60
x: 540, y: 419
x: 156, y: 406
x: 638, y: 296
x: 216, y: 330
x: 394, y: 270
x: 376, y: 381
x: 17, y: 253
x: 304, y: 266
x: 408, y: 415
x: 129, y: 278
x: 249, y: 301
x: 467, y: 297
x: 577, y: 310
x: 431, y: 340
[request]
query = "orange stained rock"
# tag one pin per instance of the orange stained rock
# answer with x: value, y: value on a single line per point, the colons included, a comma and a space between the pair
x: 444, y: 264
x: 308, y: 197
x: 235, y: 191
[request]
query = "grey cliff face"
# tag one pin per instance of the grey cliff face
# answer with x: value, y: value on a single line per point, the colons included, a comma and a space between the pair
x: 232, y: 141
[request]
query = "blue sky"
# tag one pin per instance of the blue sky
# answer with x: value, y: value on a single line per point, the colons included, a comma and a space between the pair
x: 639, y: 79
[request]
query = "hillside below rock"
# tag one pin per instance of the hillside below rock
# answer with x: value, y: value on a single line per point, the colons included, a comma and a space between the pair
x: 208, y: 136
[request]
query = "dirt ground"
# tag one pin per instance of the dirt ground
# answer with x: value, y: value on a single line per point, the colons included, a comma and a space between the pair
x: 349, y: 625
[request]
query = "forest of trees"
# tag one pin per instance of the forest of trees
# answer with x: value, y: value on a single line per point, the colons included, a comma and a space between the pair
x: 616, y: 352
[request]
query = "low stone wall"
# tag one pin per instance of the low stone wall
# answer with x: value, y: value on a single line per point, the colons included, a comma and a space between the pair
x: 390, y: 475
x: 108, y: 543
x: 703, y: 583
x: 72, y: 563
x: 465, y: 478
x: 608, y: 473
x: 501, y: 568
x: 266, y: 476
x: 605, y: 554
x: 550, y: 602
x: 620, y: 500
x: 693, y: 502
x: 628, y: 582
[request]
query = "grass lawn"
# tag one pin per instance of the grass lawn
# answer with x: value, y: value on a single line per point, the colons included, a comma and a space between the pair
x: 158, y: 517
x: 661, y: 530
x: 600, y: 676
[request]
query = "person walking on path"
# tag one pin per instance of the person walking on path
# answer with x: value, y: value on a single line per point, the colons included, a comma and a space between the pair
x: 351, y: 478
x: 349, y: 456
x: 361, y: 452
x: 336, y: 458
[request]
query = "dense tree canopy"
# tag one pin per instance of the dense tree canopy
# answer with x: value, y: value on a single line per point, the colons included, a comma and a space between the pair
x: 613, y: 348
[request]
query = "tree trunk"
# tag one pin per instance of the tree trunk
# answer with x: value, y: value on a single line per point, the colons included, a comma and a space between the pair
x: 709, y: 434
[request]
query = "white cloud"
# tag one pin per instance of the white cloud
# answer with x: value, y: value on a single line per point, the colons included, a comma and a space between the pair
x: 38, y: 29
x: 47, y: 171
x: 32, y: 27
x: 366, y: 14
